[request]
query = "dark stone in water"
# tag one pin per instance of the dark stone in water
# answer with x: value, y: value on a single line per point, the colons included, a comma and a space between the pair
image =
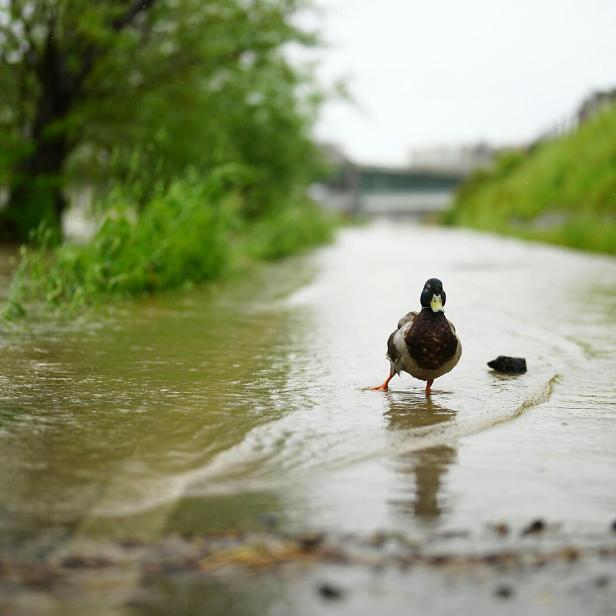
x: 602, y: 581
x: 269, y: 520
x: 327, y: 591
x: 501, y: 529
x: 508, y: 365
x: 85, y: 562
x: 310, y: 542
x: 536, y: 526
x: 504, y: 592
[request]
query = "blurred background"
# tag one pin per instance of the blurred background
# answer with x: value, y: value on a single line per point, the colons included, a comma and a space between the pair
x: 447, y: 75
x: 262, y: 108
x: 489, y: 95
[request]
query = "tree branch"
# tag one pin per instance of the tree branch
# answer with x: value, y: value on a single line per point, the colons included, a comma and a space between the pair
x: 138, y: 6
x: 118, y: 24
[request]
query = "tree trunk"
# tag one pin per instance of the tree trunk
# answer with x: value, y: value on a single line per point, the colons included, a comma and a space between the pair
x: 35, y: 195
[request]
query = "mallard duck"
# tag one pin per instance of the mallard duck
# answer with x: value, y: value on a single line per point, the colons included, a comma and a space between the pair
x: 425, y: 344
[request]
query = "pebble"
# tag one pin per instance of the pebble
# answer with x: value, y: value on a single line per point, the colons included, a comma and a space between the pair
x: 504, y: 592
x: 269, y: 520
x: 311, y: 542
x: 536, y: 526
x: 501, y: 529
x: 602, y: 581
x: 330, y: 592
x: 85, y: 562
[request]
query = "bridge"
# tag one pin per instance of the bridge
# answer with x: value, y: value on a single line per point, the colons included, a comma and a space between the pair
x: 394, y: 191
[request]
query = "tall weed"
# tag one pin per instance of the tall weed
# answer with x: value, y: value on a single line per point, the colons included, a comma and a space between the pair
x: 187, y: 233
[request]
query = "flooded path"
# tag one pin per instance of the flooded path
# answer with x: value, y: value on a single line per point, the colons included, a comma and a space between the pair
x: 242, y: 405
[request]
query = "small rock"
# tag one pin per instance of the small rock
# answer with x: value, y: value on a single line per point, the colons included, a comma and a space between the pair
x: 536, y: 526
x: 85, y: 562
x: 602, y: 581
x: 454, y: 534
x: 378, y: 540
x: 269, y: 520
x: 501, y: 529
x: 310, y: 542
x: 570, y: 554
x: 504, y: 591
x: 330, y: 592
x: 439, y: 560
x: 129, y: 543
x: 508, y: 365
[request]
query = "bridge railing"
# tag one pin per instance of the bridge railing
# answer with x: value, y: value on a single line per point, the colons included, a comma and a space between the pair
x: 382, y: 190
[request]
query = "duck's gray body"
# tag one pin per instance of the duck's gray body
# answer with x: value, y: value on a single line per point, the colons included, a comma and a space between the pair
x: 425, y: 345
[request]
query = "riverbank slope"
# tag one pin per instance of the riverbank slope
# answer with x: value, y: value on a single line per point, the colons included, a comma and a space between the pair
x: 561, y: 191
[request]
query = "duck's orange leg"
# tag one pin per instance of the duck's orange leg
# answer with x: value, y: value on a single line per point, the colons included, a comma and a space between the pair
x: 383, y: 386
x: 429, y: 386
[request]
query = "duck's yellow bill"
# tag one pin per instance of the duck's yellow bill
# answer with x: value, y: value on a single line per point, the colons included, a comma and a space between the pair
x: 436, y: 304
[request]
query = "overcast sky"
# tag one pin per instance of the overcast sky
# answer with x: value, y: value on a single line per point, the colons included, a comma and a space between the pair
x: 433, y: 72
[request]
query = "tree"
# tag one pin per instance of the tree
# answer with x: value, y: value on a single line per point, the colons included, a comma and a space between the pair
x: 86, y: 87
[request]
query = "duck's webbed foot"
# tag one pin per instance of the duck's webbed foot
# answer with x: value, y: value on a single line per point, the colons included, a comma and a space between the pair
x: 384, y: 385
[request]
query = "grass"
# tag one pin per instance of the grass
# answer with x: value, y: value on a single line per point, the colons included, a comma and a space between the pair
x: 186, y: 234
x: 288, y: 231
x: 562, y: 191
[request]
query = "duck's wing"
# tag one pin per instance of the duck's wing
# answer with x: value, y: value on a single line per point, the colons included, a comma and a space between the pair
x: 448, y: 365
x: 394, y: 351
x: 409, y: 317
x: 453, y: 329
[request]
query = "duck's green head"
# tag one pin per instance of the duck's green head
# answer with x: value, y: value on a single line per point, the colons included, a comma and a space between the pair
x: 433, y: 295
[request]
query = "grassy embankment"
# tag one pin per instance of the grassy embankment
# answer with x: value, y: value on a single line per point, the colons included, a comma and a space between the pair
x: 190, y: 232
x: 562, y: 191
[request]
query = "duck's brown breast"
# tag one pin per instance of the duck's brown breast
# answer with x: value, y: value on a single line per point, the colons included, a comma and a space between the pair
x: 430, y: 340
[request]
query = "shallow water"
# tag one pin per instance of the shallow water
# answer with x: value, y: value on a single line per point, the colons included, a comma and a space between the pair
x: 243, y: 402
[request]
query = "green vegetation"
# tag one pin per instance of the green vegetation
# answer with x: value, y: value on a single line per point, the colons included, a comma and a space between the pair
x: 561, y: 191
x: 96, y: 93
x: 185, y: 119
x: 187, y: 233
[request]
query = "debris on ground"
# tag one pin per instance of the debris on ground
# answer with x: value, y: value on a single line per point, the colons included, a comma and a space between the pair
x: 330, y: 592
x: 536, y: 526
x: 504, y: 591
x: 218, y: 553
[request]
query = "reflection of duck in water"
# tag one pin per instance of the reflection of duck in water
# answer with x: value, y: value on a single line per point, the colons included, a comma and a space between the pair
x: 427, y: 465
x: 425, y: 344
